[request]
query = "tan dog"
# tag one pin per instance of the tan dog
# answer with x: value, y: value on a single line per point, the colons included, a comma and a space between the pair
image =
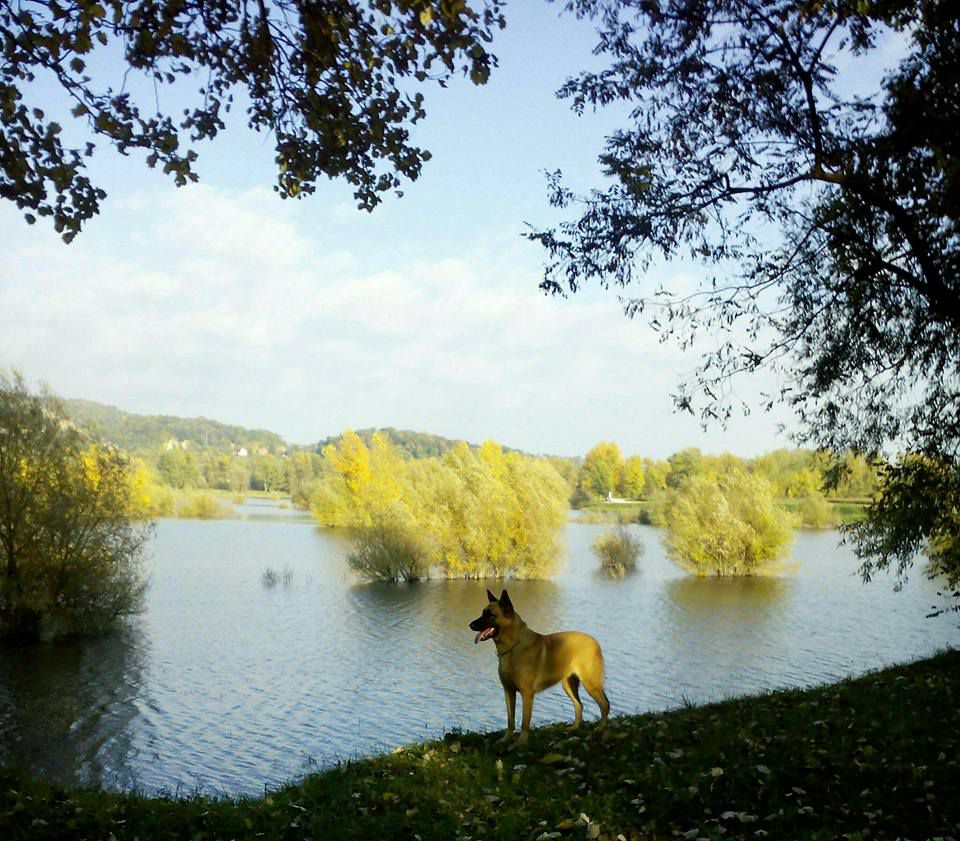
x: 531, y: 662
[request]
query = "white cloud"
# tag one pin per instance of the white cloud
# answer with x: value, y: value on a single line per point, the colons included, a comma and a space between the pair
x: 220, y: 305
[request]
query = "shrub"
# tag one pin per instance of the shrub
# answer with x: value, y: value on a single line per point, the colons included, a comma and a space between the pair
x: 618, y: 551
x: 197, y: 505
x: 475, y: 513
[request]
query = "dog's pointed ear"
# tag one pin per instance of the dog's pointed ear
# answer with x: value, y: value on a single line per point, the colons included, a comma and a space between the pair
x: 490, y: 596
x: 505, y: 604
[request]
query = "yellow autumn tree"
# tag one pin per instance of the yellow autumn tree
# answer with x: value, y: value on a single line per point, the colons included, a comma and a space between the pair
x: 600, y: 473
x: 538, y: 517
x: 655, y: 476
x: 725, y: 526
x: 632, y: 478
x: 469, y: 513
x: 360, y: 484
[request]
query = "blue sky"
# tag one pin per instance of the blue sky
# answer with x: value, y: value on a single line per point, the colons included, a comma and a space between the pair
x: 306, y: 317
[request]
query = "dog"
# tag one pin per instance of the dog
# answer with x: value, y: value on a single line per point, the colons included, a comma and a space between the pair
x: 530, y: 662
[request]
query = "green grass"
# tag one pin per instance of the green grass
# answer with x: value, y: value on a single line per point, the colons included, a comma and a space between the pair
x: 843, y: 510
x: 636, y: 511
x: 870, y: 758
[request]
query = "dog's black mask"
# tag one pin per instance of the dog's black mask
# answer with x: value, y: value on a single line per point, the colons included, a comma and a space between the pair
x: 486, y: 623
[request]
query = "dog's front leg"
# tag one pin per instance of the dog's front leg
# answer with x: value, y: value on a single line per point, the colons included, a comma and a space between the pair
x: 510, y: 696
x: 527, y: 698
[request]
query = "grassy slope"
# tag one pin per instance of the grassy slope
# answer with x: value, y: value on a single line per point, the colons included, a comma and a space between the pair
x: 875, y: 757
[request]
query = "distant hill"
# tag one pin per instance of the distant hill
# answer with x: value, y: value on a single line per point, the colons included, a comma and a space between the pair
x: 149, y: 432
x: 152, y: 432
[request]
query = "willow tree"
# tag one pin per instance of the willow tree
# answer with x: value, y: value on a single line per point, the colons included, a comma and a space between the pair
x: 466, y: 514
x: 334, y: 85
x: 728, y: 525
x: 821, y: 197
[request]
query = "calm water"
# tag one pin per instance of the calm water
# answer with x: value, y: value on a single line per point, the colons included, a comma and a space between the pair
x: 229, y: 685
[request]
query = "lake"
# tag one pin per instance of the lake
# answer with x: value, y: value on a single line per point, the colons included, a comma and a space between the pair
x: 228, y: 684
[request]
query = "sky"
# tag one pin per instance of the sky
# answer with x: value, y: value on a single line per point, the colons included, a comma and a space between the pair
x: 307, y: 317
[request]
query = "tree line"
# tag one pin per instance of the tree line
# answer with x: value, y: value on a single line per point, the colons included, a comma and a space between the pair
x: 792, y: 473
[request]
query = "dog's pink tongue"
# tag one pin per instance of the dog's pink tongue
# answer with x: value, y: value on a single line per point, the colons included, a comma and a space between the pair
x: 486, y: 633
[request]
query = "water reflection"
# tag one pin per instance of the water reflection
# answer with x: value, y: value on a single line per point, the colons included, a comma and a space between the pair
x: 723, y: 635
x: 730, y: 601
x: 68, y: 708
x: 450, y: 605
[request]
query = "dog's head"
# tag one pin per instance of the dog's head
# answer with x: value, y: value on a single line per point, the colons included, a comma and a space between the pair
x: 495, y: 617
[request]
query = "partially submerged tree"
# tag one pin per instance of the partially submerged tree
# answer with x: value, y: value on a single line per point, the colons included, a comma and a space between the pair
x: 830, y: 217
x: 724, y: 526
x: 467, y: 514
x: 69, y: 547
x: 333, y: 84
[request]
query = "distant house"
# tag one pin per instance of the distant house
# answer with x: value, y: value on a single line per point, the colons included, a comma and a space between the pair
x: 242, y: 452
x: 262, y: 451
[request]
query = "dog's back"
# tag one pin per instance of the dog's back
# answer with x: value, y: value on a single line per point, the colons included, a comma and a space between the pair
x: 570, y: 653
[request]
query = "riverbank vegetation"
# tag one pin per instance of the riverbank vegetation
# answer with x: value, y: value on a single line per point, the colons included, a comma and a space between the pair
x: 70, y: 538
x: 861, y: 759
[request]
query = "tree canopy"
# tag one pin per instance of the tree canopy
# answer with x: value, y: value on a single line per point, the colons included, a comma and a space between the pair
x: 824, y: 198
x: 333, y: 84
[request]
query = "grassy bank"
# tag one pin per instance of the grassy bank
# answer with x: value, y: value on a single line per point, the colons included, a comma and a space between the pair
x: 875, y: 757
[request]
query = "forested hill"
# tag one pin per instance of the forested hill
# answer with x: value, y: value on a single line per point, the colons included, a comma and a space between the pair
x: 149, y: 432
x: 140, y: 433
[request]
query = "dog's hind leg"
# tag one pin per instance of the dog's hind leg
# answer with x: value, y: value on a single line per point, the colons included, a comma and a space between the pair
x: 596, y: 692
x: 571, y: 685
